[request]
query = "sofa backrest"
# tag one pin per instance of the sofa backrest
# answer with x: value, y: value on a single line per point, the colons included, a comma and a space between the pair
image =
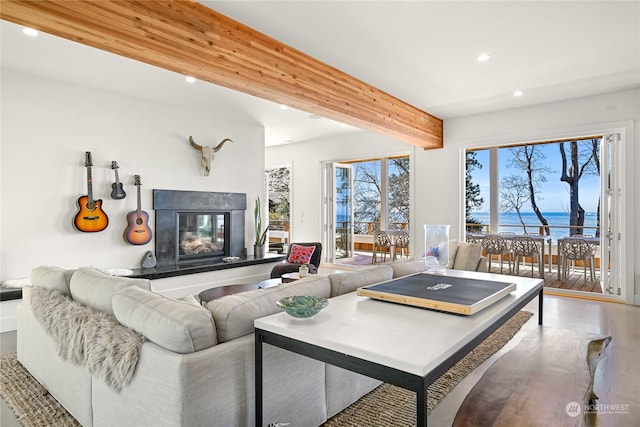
x: 405, y: 268
x: 234, y: 314
x: 52, y: 278
x: 178, y: 326
x: 343, y: 283
x: 95, y: 289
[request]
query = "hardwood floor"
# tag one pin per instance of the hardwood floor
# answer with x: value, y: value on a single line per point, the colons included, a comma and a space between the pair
x: 616, y: 380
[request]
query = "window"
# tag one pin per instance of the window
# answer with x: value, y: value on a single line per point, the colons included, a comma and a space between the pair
x: 381, y: 194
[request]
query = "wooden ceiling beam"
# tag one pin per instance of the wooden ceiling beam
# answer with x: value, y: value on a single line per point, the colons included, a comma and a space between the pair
x: 189, y: 38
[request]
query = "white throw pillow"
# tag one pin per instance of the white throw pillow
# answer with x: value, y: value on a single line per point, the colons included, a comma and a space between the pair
x: 468, y: 256
x: 453, y: 249
x: 193, y: 299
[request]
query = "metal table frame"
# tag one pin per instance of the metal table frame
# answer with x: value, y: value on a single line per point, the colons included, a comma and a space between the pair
x: 384, y: 373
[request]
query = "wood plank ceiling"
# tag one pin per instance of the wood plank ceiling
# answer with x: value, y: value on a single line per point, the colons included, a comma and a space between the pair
x: 189, y: 38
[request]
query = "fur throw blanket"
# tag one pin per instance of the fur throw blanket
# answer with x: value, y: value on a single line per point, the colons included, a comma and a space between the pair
x: 88, y: 337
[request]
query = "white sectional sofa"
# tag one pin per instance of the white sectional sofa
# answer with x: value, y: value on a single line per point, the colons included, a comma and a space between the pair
x: 196, y: 364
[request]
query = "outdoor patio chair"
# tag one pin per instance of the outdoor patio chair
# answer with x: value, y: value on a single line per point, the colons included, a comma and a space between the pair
x: 507, y: 237
x: 494, y: 244
x: 401, y: 241
x: 524, y: 246
x: 574, y: 249
x: 382, y: 243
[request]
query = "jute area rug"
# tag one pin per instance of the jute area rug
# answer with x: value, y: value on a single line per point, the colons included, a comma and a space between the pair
x: 387, y: 405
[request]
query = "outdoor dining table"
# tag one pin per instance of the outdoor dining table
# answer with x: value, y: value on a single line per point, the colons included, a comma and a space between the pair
x: 477, y: 237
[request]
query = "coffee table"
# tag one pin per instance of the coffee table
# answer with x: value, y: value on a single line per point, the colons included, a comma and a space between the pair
x: 409, y: 347
x: 221, y: 291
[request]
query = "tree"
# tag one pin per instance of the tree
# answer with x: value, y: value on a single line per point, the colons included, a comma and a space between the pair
x: 399, y: 190
x: 368, y: 192
x: 278, y: 190
x: 473, y: 199
x: 571, y: 174
x: 530, y: 159
x: 513, y: 195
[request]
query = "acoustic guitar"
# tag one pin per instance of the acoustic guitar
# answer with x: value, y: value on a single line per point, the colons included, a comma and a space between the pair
x: 90, y: 217
x: 117, y: 192
x: 138, y: 231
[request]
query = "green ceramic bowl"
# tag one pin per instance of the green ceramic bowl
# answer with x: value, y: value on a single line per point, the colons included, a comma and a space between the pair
x: 302, y: 306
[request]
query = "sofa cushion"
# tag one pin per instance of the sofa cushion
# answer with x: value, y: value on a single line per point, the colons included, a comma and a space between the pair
x: 95, y: 289
x: 467, y: 256
x: 453, y: 250
x: 234, y: 314
x: 178, y: 326
x: 343, y: 283
x: 405, y: 268
x: 52, y: 278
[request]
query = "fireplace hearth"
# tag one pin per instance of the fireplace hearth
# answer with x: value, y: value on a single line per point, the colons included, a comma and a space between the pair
x: 198, y: 226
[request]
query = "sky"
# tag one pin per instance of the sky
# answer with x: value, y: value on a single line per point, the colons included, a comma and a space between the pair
x: 554, y: 195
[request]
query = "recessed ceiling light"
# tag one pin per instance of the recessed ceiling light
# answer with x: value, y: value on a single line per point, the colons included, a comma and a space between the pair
x: 518, y: 93
x: 314, y: 117
x: 30, y: 32
x: 483, y: 57
x: 284, y: 107
x: 190, y: 79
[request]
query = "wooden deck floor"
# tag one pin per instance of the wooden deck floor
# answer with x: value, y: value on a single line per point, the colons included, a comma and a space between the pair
x: 575, y: 281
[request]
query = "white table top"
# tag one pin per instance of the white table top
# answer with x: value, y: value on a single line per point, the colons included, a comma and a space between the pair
x: 410, y: 339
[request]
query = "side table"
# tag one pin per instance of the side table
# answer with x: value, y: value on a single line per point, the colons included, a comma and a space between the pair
x: 290, y: 277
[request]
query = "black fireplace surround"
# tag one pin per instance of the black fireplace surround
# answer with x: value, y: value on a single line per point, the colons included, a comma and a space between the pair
x: 170, y: 205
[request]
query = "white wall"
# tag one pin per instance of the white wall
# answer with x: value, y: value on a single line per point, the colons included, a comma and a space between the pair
x: 47, y: 125
x: 305, y: 160
x: 437, y: 174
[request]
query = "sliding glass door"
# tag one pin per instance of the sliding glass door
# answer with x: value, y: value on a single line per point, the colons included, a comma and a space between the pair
x: 338, y: 212
x: 567, y: 188
x: 610, y: 210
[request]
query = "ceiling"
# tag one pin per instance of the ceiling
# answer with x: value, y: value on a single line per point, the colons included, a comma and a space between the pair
x: 423, y: 52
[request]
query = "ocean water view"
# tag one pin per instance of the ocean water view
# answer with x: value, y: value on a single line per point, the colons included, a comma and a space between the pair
x: 509, y: 221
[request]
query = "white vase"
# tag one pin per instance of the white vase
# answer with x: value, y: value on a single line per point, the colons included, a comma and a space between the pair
x: 436, y: 245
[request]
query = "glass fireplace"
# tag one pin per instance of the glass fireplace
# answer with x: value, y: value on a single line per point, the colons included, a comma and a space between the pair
x: 202, y: 235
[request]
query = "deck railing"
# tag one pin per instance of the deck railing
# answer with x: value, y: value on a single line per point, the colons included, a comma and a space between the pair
x: 533, y: 228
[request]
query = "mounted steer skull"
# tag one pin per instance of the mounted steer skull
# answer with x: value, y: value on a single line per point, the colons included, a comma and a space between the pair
x: 208, y: 153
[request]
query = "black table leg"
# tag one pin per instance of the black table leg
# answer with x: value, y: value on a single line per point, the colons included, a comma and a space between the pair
x: 258, y: 385
x: 421, y: 406
x: 540, y: 295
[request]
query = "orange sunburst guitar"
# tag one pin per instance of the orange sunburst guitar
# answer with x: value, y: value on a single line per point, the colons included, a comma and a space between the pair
x: 90, y: 217
x: 138, y: 231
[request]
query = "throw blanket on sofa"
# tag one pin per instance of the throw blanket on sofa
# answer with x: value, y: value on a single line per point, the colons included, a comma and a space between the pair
x: 88, y: 337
